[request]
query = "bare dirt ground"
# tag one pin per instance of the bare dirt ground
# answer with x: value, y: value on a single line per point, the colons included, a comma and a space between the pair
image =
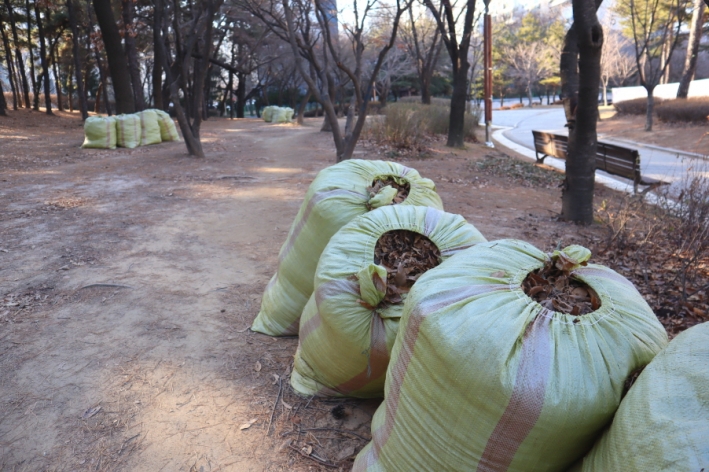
x: 129, y: 278
x: 685, y: 137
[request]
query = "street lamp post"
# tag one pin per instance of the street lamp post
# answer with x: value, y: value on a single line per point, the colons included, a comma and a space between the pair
x: 487, y: 76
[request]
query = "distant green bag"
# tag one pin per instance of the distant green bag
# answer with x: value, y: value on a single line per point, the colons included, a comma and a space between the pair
x: 267, y: 113
x: 344, y: 347
x: 129, y: 131
x: 282, y: 115
x: 150, y: 128
x: 484, y: 378
x: 100, y: 132
x: 663, y: 422
x: 337, y: 195
x: 168, y: 131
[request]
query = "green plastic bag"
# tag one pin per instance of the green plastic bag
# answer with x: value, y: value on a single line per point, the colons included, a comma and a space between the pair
x: 337, y: 196
x: 282, y: 115
x: 129, y: 131
x: 168, y: 131
x: 100, y: 132
x: 663, y: 422
x: 150, y: 128
x: 484, y: 378
x: 267, y: 113
x: 344, y: 346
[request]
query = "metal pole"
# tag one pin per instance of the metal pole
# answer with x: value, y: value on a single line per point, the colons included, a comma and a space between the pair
x: 487, y: 76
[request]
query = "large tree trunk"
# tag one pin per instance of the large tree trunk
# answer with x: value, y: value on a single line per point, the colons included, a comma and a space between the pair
x: 650, y: 107
x: 303, y: 105
x: 33, y: 78
x: 117, y: 64
x: 158, y: 101
x: 240, y: 94
x: 456, y: 126
x: 3, y: 103
x: 569, y: 73
x: 57, y: 83
x: 577, y: 197
x: 18, y: 55
x: 695, y: 36
x: 10, y: 67
x: 132, y: 54
x: 44, y: 62
x: 77, y: 60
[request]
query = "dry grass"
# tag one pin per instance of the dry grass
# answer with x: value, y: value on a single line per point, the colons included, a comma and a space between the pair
x: 691, y: 110
x: 410, y: 125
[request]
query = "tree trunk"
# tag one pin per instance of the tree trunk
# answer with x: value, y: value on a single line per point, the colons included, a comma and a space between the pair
x: 3, y: 103
x: 456, y: 125
x: 157, y: 66
x: 70, y: 87
x: 569, y: 73
x: 132, y: 54
x: 10, y: 68
x: 240, y: 94
x: 577, y: 196
x: 605, y: 92
x: 33, y: 78
x: 303, y: 105
x: 426, y: 90
x: 81, y: 91
x: 18, y: 55
x: 43, y: 61
x: 117, y: 64
x: 57, y: 83
x: 695, y: 36
x: 97, y: 103
x: 530, y: 99
x: 650, y: 108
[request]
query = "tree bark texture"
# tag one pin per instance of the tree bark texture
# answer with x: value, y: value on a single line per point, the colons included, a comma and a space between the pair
x: 117, y: 63
x: 18, y: 54
x: 57, y: 82
x: 83, y: 106
x: 695, y: 36
x: 44, y: 61
x: 650, y: 107
x: 132, y: 54
x: 577, y: 197
x: 157, y: 66
x: 240, y: 94
x: 3, y: 103
x: 10, y: 68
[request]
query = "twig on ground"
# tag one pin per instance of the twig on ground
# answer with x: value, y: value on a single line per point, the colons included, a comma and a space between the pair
x: 313, y: 457
x: 105, y: 285
x: 275, y: 404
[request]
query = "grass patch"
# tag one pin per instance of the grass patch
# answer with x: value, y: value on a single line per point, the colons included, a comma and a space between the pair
x: 690, y: 110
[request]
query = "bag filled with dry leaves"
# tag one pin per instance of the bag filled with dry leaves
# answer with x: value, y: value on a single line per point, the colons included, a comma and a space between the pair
x: 509, y: 359
x: 365, y: 273
x: 663, y: 422
x: 338, y: 194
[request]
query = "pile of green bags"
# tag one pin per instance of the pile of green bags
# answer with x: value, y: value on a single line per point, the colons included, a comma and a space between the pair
x: 337, y: 196
x: 478, y: 371
x: 274, y: 114
x: 129, y: 131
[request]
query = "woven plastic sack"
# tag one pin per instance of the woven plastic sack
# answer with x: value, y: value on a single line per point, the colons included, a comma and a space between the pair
x: 129, y: 130
x: 282, y: 115
x: 149, y: 128
x: 344, y: 347
x: 337, y: 196
x: 168, y: 131
x: 100, y: 132
x: 484, y: 378
x: 663, y: 422
x: 267, y: 113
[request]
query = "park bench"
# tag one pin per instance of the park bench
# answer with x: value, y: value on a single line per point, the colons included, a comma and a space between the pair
x: 616, y: 160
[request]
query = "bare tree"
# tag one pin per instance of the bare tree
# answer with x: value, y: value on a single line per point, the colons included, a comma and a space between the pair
x: 457, y: 45
x: 695, y: 35
x: 616, y: 64
x: 530, y: 62
x: 192, y: 37
x: 422, y: 39
x: 655, y: 26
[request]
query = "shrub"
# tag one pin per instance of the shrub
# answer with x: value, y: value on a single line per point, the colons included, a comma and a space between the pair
x: 408, y: 125
x: 691, y: 110
x: 636, y: 106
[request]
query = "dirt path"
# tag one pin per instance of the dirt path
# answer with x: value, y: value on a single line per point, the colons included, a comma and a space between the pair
x: 129, y: 278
